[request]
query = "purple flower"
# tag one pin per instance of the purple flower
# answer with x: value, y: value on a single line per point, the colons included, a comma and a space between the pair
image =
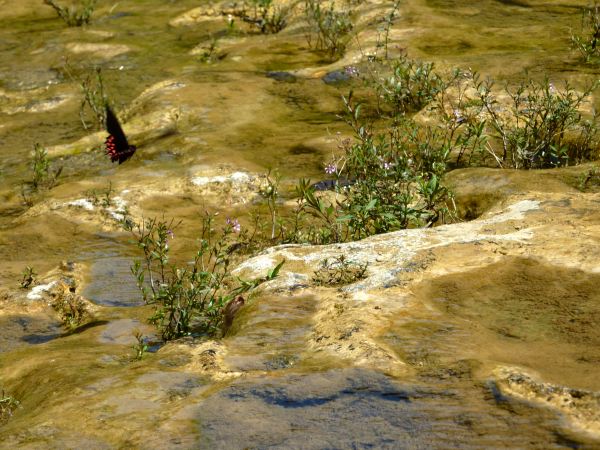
x: 352, y: 71
x: 458, y: 118
x: 171, y: 234
x: 234, y: 224
x: 330, y: 169
x: 387, y: 165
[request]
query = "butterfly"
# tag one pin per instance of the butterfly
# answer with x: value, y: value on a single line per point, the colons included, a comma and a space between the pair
x: 116, y: 143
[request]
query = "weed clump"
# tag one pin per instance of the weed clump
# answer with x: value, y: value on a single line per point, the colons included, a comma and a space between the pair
x: 542, y: 127
x: 188, y: 298
x: 403, y: 85
x: 329, y: 30
x: 339, y: 271
x: 74, y: 16
x: 72, y: 309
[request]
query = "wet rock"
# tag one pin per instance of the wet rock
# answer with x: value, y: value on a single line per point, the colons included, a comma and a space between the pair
x: 228, y: 187
x: 121, y: 332
x: 111, y: 282
x: 104, y: 51
x: 195, y: 16
x: 25, y: 80
x: 119, y: 15
x: 286, y: 77
x: 336, y: 77
x: 34, y: 101
x: 580, y: 407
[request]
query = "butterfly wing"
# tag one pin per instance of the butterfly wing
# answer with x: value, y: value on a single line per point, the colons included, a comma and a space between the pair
x: 114, y: 129
x: 117, y: 146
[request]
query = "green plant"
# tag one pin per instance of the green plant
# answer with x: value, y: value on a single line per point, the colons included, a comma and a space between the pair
x: 587, y: 42
x: 461, y: 118
x: 392, y: 180
x: 403, y: 85
x: 74, y: 16
x: 141, y: 346
x: 327, y: 213
x: 328, y: 30
x: 7, y: 405
x: 191, y: 298
x: 542, y: 127
x: 40, y: 166
x: 28, y: 277
x: 389, y: 166
x: 270, y: 193
x: 339, y: 271
x: 94, y: 94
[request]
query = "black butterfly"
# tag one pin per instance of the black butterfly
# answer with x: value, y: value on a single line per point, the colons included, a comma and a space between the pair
x: 116, y: 143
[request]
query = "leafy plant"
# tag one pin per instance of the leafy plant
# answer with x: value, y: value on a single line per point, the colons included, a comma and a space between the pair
x: 339, y: 271
x: 327, y: 213
x: 542, y: 127
x: 28, y: 277
x: 461, y: 118
x: 328, y: 29
x: 188, y: 298
x: 403, y: 85
x: 74, y: 16
x: 587, y: 42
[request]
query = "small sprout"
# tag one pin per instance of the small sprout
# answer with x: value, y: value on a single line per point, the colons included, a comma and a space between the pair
x: 141, y: 345
x: 40, y: 166
x: 28, y: 277
x: 7, y: 405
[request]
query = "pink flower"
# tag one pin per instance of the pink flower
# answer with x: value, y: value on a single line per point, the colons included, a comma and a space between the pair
x: 234, y: 224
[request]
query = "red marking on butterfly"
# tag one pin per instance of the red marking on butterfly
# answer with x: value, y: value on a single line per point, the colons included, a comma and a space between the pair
x: 116, y: 143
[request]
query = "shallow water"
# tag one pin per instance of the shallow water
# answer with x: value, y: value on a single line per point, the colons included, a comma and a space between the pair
x: 270, y: 389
